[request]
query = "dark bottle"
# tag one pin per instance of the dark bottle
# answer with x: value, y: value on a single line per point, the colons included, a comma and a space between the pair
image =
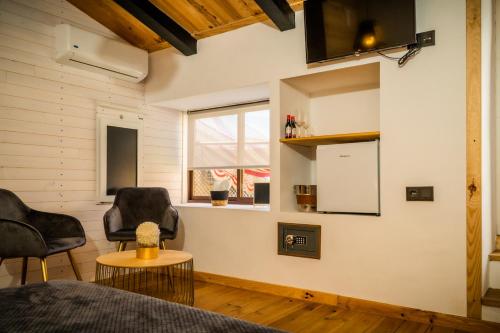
x: 294, y: 128
x: 288, y: 127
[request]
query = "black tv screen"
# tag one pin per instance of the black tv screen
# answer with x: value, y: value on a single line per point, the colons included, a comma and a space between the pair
x: 341, y: 28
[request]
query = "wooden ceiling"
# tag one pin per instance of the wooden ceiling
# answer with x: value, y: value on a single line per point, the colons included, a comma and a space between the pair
x: 201, y: 18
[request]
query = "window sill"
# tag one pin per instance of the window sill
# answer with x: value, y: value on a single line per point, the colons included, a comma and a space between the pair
x: 263, y: 208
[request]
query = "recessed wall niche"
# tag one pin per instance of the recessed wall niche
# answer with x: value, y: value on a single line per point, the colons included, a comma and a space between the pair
x: 345, y: 100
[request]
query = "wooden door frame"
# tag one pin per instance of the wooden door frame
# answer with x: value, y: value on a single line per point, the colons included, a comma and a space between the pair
x: 473, y: 158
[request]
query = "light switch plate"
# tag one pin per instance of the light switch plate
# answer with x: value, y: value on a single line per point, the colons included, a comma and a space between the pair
x: 420, y: 193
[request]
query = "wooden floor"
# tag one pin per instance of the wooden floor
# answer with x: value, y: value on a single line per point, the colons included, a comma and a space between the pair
x: 299, y: 316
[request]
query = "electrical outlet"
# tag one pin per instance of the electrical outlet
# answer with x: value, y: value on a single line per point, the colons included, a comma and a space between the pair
x: 427, y: 38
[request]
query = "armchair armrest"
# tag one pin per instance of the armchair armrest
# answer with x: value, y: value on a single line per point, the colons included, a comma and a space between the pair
x: 53, y: 225
x: 170, y: 220
x: 112, y: 220
x: 20, y: 240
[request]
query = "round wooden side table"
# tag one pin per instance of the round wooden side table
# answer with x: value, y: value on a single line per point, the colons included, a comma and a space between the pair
x: 169, y: 277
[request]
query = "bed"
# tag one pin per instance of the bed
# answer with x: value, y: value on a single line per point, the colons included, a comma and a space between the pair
x: 72, y: 306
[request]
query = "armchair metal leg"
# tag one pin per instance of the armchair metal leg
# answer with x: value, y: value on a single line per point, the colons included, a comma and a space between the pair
x: 163, y: 246
x: 122, y: 246
x: 24, y: 271
x: 73, y: 264
x: 43, y: 264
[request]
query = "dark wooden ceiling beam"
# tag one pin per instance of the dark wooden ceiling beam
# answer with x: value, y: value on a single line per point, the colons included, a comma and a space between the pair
x: 160, y: 23
x: 280, y: 12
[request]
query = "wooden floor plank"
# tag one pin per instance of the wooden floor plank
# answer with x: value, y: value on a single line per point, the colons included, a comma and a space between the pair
x: 321, y: 319
x: 387, y: 325
x: 359, y: 322
x: 278, y: 309
x: 244, y: 305
x: 333, y: 321
x: 412, y: 327
x: 437, y: 329
x: 299, y: 316
x: 212, y: 298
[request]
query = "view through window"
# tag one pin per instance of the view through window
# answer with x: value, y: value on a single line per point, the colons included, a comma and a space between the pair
x: 229, y: 145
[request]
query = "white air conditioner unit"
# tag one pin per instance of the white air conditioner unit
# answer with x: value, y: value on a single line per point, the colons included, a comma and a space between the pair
x: 89, y: 51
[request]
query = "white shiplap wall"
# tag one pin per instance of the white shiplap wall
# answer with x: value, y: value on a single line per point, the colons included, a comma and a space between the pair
x: 47, y: 129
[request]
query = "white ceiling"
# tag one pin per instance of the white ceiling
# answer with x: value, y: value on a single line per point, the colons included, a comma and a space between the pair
x: 338, y: 80
x: 219, y: 99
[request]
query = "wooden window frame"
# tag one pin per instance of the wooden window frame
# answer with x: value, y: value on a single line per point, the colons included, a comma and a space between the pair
x: 239, y: 200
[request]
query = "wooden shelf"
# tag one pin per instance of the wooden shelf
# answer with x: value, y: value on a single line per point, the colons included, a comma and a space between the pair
x: 491, y: 298
x: 495, y: 256
x: 313, y: 141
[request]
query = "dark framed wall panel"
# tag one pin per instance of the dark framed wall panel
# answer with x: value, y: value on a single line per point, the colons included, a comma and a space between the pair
x: 121, y: 162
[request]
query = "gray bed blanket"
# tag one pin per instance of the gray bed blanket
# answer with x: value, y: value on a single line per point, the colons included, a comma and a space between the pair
x: 71, y: 306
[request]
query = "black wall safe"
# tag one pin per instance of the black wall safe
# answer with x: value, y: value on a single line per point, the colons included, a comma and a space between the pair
x: 420, y: 193
x: 299, y: 240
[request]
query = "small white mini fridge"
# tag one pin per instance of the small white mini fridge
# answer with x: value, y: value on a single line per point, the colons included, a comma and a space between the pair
x: 348, y: 178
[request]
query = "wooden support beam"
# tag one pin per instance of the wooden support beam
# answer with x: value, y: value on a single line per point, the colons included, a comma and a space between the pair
x: 280, y: 12
x: 159, y: 22
x: 473, y: 156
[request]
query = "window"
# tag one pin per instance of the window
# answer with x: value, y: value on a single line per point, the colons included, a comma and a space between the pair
x: 231, y: 144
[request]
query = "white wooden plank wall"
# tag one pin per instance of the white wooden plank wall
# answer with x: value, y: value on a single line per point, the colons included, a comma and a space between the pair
x: 47, y: 130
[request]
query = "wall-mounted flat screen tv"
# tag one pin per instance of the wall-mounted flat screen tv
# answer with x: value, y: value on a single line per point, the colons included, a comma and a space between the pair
x: 342, y: 28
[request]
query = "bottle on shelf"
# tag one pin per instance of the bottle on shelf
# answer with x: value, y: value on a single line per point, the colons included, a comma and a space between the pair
x: 294, y: 128
x: 288, y: 127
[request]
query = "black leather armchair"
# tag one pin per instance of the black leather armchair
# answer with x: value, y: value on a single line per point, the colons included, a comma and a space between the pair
x: 25, y: 232
x: 135, y: 205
